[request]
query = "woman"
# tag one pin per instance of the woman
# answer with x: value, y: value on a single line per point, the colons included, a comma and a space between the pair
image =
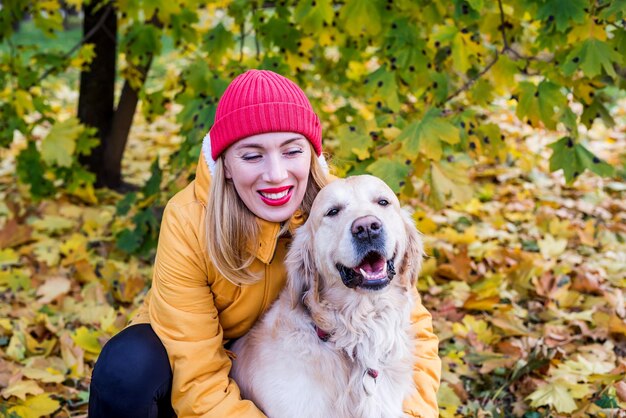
x: 219, y: 263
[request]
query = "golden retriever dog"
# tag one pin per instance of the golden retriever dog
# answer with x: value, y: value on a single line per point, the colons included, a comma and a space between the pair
x: 338, y: 341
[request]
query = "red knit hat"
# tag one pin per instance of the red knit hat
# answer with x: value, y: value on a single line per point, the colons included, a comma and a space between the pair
x: 260, y: 101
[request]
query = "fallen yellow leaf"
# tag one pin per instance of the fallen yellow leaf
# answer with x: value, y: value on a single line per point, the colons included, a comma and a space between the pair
x: 21, y: 388
x: 36, y: 407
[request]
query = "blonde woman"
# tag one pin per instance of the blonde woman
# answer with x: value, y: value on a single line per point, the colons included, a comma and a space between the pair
x: 219, y: 263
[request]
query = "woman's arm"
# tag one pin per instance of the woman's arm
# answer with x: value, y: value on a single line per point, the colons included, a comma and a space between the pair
x: 427, y: 368
x: 184, y: 316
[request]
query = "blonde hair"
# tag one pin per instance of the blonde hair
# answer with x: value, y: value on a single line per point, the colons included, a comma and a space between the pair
x: 231, y: 226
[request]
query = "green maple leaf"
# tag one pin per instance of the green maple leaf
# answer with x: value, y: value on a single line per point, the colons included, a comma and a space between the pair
x: 482, y: 92
x: 460, y: 54
x: 153, y: 185
x: 591, y: 56
x: 60, y: 143
x: 562, y: 11
x: 596, y: 110
x: 491, y: 137
x: 31, y: 170
x: 142, y: 42
x: 392, y: 172
x: 277, y: 33
x: 549, y: 98
x: 218, y: 41
x: 476, y: 4
x: 86, y: 141
x: 426, y: 135
x: 129, y: 241
x: 352, y: 142
x: 312, y: 15
x: 574, y: 158
x: 504, y: 71
x: 182, y: 26
x: 382, y: 84
x: 47, y: 17
x: 13, y: 279
x: 539, y: 102
x: 615, y: 10
x: 359, y: 15
x: 620, y: 43
x: 165, y: 9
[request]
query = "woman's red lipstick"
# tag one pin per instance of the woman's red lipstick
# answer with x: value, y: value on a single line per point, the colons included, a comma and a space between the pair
x: 279, y: 201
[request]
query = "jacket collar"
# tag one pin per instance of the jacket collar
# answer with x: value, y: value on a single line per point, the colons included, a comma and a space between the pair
x: 268, y: 231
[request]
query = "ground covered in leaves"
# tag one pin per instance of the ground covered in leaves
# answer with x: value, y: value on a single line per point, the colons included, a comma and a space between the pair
x: 526, y: 281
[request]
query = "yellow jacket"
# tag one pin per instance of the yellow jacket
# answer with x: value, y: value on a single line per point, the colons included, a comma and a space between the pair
x: 194, y: 311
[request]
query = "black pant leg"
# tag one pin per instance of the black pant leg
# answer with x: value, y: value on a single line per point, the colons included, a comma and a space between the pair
x: 132, y: 377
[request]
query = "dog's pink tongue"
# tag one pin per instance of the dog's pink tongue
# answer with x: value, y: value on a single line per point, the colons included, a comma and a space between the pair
x: 373, y: 268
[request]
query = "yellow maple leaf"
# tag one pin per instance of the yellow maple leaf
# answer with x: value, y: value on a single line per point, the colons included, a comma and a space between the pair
x: 451, y: 235
x: 87, y: 340
x: 21, y: 388
x: 448, y: 401
x: 48, y: 375
x: 60, y: 143
x: 36, y: 406
x: 23, y: 103
x: 17, y: 346
x: 40, y: 348
x: 425, y: 224
x: 560, y: 394
x: 73, y: 356
x: 52, y: 288
x: 5, y: 323
x: 52, y: 224
x: 551, y: 247
x: 448, y: 184
x: 74, y: 249
x: 8, y: 257
x: 478, y: 326
x: 47, y: 251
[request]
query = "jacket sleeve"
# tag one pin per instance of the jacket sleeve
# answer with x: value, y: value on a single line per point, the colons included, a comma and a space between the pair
x: 183, y: 314
x: 427, y: 368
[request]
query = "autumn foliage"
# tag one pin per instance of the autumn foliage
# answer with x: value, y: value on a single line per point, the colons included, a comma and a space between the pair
x: 501, y: 125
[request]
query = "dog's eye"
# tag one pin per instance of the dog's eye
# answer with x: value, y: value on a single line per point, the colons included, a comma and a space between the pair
x: 383, y: 202
x: 332, y: 212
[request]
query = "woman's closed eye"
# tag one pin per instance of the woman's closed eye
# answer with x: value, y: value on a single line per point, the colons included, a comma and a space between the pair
x: 251, y: 157
x: 293, y: 152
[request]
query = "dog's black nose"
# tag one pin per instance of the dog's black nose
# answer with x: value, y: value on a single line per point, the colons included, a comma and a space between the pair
x: 366, y: 228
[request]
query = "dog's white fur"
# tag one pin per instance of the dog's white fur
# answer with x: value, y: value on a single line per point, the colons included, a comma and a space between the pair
x: 285, y: 368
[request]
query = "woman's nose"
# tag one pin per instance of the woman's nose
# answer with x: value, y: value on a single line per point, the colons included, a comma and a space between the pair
x: 276, y: 170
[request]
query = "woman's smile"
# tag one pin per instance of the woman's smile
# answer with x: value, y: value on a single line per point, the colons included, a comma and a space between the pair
x: 276, y: 196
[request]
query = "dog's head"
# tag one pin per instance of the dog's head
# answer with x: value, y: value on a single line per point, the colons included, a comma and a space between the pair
x: 357, y: 238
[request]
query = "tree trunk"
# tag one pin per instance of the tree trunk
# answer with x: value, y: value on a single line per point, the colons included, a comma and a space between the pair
x: 118, y: 135
x: 97, y: 84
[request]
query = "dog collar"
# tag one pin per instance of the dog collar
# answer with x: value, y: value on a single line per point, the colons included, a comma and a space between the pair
x: 372, y: 372
x: 323, y: 335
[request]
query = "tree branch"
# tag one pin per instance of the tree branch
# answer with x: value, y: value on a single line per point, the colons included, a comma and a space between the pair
x: 241, y: 41
x: 471, y: 81
x: 506, y: 48
x: 79, y: 44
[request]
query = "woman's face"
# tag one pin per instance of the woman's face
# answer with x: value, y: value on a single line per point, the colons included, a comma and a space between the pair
x: 270, y: 172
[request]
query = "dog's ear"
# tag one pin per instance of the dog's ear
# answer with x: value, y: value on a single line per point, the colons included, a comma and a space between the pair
x: 301, y: 272
x: 414, y: 254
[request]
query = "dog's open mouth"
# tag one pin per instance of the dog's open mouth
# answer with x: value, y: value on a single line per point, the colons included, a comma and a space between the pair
x: 374, y: 272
